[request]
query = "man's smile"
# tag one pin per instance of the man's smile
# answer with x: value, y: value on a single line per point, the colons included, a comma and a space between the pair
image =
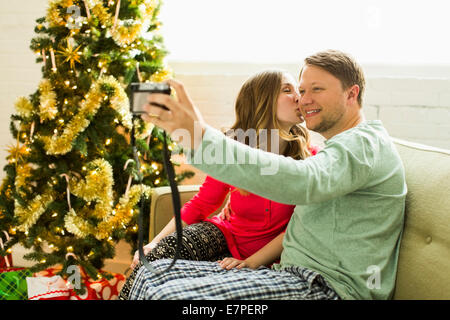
x: 311, y: 112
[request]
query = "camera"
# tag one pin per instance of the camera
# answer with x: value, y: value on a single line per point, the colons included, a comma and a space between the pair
x: 140, y: 91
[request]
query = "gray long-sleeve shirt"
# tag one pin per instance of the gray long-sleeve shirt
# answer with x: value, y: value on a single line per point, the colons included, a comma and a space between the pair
x: 349, y: 200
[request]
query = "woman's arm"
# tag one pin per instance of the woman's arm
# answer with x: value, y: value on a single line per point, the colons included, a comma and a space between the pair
x: 168, y: 229
x: 264, y: 256
x: 211, y: 195
x: 209, y: 198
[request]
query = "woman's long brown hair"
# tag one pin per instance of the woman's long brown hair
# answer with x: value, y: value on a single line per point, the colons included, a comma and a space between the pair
x: 256, y: 108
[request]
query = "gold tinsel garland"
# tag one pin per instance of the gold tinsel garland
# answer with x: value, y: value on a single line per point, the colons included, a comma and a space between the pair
x: 28, y: 215
x: 53, y: 16
x: 47, y: 107
x: 62, y: 144
x: 98, y: 187
x: 124, y: 33
x: 129, y: 30
x: 24, y: 107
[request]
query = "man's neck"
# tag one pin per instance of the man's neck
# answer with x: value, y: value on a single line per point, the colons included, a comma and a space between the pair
x: 344, y: 125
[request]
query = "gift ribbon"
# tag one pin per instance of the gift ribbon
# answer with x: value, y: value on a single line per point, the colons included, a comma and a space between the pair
x: 68, y: 189
x: 3, y: 248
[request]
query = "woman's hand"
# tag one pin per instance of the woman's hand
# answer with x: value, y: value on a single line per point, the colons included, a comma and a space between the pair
x: 226, y: 212
x: 182, y: 120
x: 147, y: 248
x: 230, y: 263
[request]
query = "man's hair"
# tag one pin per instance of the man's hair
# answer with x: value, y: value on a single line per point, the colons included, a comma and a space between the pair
x: 342, y: 66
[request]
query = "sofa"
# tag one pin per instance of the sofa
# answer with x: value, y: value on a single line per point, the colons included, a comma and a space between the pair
x: 424, y: 261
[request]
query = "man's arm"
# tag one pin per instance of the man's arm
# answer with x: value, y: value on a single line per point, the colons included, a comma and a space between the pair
x: 335, y: 171
x: 338, y: 169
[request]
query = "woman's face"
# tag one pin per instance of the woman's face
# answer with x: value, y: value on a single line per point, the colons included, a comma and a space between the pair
x: 288, y: 107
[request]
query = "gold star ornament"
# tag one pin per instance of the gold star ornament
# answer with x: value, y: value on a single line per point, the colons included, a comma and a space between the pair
x: 72, y: 55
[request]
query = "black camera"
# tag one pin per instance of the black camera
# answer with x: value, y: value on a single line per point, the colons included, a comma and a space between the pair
x: 140, y: 91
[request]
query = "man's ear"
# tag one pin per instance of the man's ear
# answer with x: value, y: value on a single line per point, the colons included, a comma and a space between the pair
x: 353, y: 92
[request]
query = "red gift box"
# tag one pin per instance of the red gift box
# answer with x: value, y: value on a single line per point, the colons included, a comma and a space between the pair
x: 5, y: 261
x: 102, y: 289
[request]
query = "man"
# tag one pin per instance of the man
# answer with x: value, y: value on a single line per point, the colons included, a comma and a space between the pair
x: 344, y: 237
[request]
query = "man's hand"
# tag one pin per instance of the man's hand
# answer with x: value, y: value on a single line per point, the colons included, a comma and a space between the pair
x: 182, y: 115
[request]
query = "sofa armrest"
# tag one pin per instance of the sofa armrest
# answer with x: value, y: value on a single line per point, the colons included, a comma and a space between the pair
x: 161, y: 210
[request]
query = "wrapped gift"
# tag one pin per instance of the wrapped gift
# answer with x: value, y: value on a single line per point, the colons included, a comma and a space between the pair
x: 10, y: 269
x: 5, y: 261
x: 48, y: 288
x: 13, y: 284
x: 102, y: 289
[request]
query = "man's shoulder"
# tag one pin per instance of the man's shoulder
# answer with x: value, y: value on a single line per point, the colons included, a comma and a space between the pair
x: 370, y: 132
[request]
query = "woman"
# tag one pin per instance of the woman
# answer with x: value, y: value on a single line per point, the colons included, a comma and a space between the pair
x: 250, y: 229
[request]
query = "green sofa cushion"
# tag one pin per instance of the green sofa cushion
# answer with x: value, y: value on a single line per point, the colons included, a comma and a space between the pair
x: 424, y: 262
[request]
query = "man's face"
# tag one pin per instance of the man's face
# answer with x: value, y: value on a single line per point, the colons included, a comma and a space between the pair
x: 322, y: 99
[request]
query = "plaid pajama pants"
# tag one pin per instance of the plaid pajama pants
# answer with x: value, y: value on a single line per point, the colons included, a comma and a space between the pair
x: 203, y: 280
x: 201, y: 241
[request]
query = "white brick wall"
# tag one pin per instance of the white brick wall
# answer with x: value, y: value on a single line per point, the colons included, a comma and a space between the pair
x: 410, y: 108
x: 416, y: 109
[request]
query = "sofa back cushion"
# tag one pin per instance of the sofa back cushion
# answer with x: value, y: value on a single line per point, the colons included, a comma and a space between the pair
x: 424, y: 261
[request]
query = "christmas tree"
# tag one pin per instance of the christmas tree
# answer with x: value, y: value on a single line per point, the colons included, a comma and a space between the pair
x: 70, y: 191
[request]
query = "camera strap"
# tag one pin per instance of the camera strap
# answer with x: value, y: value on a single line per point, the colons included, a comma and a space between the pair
x: 175, y: 201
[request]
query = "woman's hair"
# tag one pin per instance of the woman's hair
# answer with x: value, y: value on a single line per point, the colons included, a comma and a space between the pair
x: 256, y: 108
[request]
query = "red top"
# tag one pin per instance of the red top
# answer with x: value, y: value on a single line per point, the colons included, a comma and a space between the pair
x: 254, y: 221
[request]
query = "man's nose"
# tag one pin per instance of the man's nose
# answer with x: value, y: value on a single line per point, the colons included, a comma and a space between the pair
x: 305, y: 99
